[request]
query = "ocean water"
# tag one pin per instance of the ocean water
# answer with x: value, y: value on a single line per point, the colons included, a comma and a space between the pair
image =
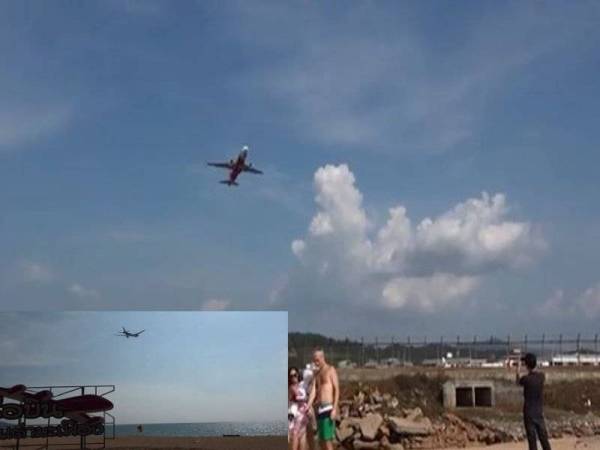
x: 203, y: 429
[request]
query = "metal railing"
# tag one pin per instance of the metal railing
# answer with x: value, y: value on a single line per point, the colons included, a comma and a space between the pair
x: 550, y: 349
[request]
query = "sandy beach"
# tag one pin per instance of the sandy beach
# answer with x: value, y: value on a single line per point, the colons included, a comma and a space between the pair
x: 168, y: 443
x: 592, y: 443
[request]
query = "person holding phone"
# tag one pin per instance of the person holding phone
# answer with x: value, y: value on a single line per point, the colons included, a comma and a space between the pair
x: 533, y: 407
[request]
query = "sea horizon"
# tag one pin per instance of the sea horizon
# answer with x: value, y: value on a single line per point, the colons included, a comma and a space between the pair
x: 198, y: 429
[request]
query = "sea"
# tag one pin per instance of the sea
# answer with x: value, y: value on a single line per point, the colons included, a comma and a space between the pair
x: 203, y: 429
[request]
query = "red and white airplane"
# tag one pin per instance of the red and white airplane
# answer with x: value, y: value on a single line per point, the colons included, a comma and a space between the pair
x: 74, y: 408
x: 236, y: 166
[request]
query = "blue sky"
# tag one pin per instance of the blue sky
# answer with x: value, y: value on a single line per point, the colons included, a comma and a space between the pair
x: 110, y: 110
x: 186, y: 367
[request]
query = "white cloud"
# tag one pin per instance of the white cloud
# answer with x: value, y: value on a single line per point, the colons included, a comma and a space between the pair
x: 427, y: 294
x: 82, y: 292
x: 432, y: 265
x: 215, y: 305
x: 298, y: 247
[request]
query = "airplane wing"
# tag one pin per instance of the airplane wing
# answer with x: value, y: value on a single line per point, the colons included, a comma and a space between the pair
x: 225, y: 165
x: 17, y: 392
x: 251, y: 169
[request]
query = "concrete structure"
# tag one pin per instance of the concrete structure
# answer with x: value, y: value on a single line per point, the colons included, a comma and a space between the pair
x: 468, y: 394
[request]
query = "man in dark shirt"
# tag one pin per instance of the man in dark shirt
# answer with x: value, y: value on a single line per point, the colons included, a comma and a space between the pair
x: 533, y: 408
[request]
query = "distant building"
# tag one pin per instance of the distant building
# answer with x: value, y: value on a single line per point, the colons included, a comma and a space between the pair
x: 493, y: 364
x: 434, y: 362
x: 346, y: 364
x: 393, y: 362
x: 576, y: 359
x: 454, y: 362
x: 512, y: 360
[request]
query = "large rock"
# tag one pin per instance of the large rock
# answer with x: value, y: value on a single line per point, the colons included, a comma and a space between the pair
x: 344, y: 431
x: 408, y: 427
x: 359, y: 444
x: 369, y: 426
x: 413, y: 414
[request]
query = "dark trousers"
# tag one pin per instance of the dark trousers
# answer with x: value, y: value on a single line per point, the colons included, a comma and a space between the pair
x: 535, y: 427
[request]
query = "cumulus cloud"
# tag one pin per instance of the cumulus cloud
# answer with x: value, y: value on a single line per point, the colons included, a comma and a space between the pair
x: 427, y: 293
x: 424, y: 267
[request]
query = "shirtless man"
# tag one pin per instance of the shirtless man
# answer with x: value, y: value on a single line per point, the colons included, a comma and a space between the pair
x: 325, y: 394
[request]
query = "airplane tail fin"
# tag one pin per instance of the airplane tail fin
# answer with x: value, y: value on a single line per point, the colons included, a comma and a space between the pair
x: 229, y: 182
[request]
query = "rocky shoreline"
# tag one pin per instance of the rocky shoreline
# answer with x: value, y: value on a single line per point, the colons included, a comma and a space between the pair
x: 372, y: 420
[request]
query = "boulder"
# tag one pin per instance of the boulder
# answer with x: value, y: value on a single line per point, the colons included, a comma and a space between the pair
x: 369, y: 426
x: 413, y: 414
x: 408, y: 427
x: 359, y: 444
x: 344, y: 432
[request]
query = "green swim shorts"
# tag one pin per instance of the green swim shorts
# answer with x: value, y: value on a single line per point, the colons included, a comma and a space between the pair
x: 325, y: 424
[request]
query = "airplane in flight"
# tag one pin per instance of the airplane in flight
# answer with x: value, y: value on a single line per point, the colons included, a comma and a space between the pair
x: 236, y: 166
x: 129, y: 334
x: 75, y: 408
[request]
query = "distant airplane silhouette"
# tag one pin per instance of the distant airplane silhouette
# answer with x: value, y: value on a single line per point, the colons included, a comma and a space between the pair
x: 129, y: 334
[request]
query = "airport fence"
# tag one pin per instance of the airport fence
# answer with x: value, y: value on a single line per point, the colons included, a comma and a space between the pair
x: 473, y: 351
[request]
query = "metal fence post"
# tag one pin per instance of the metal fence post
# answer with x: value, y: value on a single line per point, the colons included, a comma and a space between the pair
x: 362, y: 352
x: 543, y: 341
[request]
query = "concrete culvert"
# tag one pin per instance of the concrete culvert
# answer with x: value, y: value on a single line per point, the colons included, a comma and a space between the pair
x: 464, y: 397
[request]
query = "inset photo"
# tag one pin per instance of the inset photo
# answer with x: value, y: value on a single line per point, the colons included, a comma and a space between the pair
x: 141, y: 380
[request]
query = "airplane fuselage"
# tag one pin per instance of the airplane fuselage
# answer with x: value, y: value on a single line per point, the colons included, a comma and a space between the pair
x: 235, y: 167
x: 238, y: 166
